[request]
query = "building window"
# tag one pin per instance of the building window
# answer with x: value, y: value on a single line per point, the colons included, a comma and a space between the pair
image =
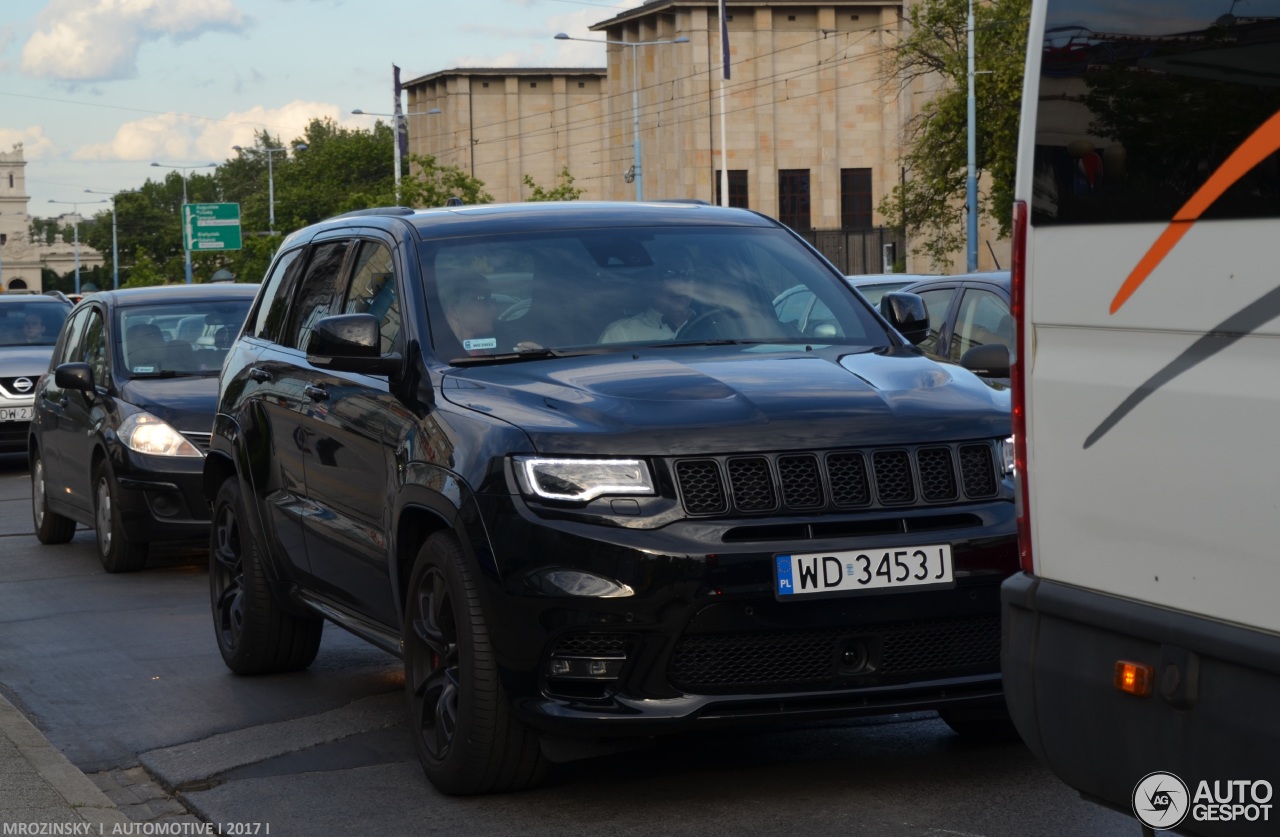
x: 737, y: 189
x: 855, y: 198
x: 582, y: 84
x: 533, y: 84
x: 10, y: 180
x: 793, y: 198
x: 4, y: 239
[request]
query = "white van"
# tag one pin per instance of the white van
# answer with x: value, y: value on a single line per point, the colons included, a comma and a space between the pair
x: 1141, y: 644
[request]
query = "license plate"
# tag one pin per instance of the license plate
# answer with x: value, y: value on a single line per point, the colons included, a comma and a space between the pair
x: 850, y: 571
x: 15, y: 414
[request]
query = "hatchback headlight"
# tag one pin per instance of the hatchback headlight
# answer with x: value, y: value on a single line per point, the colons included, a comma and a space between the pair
x: 144, y: 433
x: 582, y: 479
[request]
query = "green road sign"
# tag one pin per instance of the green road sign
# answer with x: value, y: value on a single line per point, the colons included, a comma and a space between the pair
x: 211, y: 226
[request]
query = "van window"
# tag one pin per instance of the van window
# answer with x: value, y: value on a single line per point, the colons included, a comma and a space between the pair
x: 1137, y: 111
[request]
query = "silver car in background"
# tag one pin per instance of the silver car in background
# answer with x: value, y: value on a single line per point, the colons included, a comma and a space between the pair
x: 29, y: 326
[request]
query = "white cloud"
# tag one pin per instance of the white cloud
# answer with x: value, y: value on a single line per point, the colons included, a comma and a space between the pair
x: 179, y: 138
x: 98, y: 40
x: 35, y: 145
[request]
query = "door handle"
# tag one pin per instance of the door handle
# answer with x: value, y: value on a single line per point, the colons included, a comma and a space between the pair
x: 259, y: 375
x: 316, y: 393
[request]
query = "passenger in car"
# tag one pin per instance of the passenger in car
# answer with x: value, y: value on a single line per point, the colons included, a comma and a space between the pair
x: 669, y: 309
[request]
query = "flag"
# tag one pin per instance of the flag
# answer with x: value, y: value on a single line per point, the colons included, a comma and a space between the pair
x: 724, y: 39
x: 402, y: 130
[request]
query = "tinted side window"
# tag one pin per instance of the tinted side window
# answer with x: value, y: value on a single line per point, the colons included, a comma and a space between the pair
x: 1141, y: 102
x: 373, y: 290
x: 269, y: 318
x: 72, y: 332
x: 983, y: 318
x: 936, y: 302
x: 319, y: 294
x: 94, y: 350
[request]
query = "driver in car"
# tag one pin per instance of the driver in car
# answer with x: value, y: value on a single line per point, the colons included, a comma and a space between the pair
x: 670, y: 308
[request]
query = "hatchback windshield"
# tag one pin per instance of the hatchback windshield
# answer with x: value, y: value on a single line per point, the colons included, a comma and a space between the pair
x: 616, y: 289
x: 31, y: 323
x: 188, y: 337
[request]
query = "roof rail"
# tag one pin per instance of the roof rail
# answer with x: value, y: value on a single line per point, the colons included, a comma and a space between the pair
x: 378, y: 210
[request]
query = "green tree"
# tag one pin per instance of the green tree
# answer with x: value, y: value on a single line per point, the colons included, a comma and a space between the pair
x: 930, y: 202
x: 564, y: 191
x: 145, y: 271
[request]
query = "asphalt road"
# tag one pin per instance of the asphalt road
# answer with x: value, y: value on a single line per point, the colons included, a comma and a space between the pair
x: 122, y: 670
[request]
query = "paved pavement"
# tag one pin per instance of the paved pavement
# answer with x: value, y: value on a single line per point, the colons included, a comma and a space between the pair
x: 39, y: 785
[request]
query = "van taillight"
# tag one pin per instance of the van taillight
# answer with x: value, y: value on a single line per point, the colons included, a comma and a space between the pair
x: 1018, y: 380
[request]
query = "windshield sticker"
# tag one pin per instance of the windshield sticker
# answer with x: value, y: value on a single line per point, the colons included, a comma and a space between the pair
x: 143, y: 370
x: 480, y: 343
x: 1259, y: 146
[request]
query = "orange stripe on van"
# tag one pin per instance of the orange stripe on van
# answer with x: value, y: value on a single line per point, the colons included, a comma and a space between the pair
x: 1261, y: 144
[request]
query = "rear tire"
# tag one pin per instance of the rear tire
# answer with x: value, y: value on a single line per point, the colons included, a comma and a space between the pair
x: 117, y: 552
x: 51, y: 527
x: 466, y: 735
x: 255, y: 634
x: 982, y: 724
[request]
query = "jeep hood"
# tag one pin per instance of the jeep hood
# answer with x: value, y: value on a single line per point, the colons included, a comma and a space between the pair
x: 702, y: 400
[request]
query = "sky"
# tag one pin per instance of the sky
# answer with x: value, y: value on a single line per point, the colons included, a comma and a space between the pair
x: 97, y: 90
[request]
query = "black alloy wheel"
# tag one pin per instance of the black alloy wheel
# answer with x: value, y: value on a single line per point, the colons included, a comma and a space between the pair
x: 255, y: 635
x: 467, y: 738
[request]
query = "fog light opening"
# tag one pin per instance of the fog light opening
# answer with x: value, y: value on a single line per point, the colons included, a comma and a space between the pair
x: 583, y: 677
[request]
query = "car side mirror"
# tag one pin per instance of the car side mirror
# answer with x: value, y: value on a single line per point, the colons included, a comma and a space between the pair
x: 990, y: 360
x: 908, y: 314
x: 77, y: 376
x: 350, y: 343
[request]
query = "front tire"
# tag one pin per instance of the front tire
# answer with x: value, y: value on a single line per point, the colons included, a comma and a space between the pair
x: 466, y: 735
x: 255, y: 634
x: 51, y: 527
x: 116, y: 550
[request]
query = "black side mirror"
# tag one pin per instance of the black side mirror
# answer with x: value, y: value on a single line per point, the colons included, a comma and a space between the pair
x: 990, y: 360
x: 77, y: 376
x: 906, y: 313
x: 350, y: 343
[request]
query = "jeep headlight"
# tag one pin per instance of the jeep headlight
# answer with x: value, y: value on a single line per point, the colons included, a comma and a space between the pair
x: 582, y: 479
x: 1007, y: 462
x: 144, y: 433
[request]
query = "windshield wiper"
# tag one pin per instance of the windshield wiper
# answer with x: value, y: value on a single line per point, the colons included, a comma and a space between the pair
x: 175, y: 373
x: 529, y: 354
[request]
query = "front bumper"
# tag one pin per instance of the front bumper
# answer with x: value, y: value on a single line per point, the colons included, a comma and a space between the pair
x: 161, y: 498
x: 703, y: 639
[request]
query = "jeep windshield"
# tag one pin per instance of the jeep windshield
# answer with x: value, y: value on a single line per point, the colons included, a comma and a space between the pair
x: 536, y: 295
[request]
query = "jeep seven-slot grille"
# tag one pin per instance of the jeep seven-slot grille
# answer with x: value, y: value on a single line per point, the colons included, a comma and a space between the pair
x: 813, y: 658
x: 799, y: 482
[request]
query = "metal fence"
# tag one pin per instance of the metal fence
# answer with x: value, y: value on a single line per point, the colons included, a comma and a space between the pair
x: 860, y: 250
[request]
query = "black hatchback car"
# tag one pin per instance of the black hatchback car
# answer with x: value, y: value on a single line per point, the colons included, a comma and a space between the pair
x: 566, y: 462
x: 123, y: 418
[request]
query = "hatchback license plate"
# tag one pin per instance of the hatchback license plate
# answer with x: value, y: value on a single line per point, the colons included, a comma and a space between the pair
x: 850, y: 571
x: 15, y: 414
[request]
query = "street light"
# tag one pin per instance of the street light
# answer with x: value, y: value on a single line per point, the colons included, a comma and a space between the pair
x: 635, y: 97
x: 271, y: 188
x: 395, y: 135
x: 185, y: 248
x: 115, y: 250
x: 75, y: 232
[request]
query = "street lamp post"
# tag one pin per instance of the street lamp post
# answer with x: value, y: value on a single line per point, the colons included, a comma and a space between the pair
x: 115, y: 250
x: 636, y: 170
x: 185, y: 248
x: 75, y: 232
x: 395, y: 135
x: 271, y: 187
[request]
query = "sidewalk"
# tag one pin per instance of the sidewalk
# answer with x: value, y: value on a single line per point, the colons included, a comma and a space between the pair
x: 39, y: 785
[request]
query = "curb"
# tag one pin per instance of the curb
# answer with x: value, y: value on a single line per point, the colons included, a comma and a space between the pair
x: 79, y: 796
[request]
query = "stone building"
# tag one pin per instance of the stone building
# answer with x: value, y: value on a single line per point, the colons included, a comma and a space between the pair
x: 21, y: 260
x: 813, y: 127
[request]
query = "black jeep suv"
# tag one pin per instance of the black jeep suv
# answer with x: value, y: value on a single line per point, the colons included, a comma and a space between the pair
x: 569, y: 463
